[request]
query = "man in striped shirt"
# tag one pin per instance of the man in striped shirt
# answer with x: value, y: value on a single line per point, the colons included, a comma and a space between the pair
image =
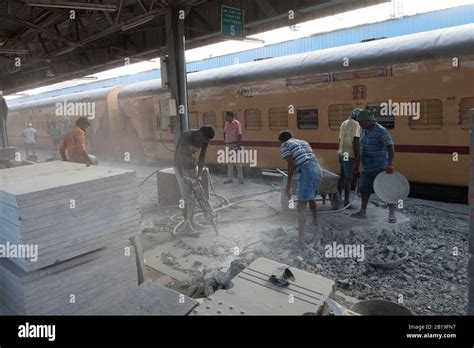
x: 300, y: 157
x: 376, y: 154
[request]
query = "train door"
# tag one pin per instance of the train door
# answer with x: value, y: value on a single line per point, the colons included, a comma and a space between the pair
x: 150, y: 121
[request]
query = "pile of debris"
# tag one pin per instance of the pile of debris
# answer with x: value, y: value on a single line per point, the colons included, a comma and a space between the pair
x: 430, y: 275
x: 214, y: 280
x: 5, y: 163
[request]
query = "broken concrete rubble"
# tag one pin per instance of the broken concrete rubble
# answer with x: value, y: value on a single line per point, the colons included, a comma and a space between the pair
x: 427, y: 236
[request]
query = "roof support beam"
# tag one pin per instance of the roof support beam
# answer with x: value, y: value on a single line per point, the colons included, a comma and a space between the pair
x: 142, y: 6
x: 73, y: 5
x: 117, y: 19
x: 266, y: 7
x: 42, y: 44
x: 72, y: 46
x: 109, y: 18
x: 9, y: 51
x: 36, y: 28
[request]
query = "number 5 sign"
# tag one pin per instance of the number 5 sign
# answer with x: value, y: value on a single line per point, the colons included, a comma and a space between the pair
x: 232, y: 24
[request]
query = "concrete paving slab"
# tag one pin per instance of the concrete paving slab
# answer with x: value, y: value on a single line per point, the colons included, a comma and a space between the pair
x: 152, y: 299
x: 253, y: 294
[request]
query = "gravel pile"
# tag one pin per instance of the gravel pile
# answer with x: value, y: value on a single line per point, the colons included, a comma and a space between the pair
x: 433, y: 280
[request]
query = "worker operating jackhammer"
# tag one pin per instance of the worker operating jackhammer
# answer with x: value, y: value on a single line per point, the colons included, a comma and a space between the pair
x: 188, y: 173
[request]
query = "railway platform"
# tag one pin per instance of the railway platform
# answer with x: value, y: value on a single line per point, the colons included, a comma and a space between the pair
x: 432, y: 280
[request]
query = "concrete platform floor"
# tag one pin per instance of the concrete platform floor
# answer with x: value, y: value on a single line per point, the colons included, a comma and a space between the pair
x: 432, y: 281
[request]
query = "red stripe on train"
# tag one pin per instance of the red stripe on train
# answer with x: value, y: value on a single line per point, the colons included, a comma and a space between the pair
x: 462, y: 150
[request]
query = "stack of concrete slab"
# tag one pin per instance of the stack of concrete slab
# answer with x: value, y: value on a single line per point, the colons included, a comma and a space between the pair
x: 66, y: 209
x: 76, y: 218
x: 83, y: 285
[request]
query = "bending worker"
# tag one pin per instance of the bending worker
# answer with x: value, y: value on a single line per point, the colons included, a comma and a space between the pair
x: 377, y: 153
x: 300, y: 157
x: 185, y: 168
x: 73, y: 146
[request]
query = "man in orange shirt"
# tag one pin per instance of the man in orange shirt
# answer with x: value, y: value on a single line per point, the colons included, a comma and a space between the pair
x: 74, y: 143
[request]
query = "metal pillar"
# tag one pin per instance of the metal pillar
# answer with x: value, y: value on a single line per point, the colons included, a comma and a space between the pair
x: 177, y: 78
x: 470, y: 267
x: 3, y: 123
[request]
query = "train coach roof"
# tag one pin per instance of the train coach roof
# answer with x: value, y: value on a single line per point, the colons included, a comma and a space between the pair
x: 450, y: 42
x: 92, y: 95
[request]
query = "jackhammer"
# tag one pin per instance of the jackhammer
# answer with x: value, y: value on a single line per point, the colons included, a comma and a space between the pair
x: 206, y: 208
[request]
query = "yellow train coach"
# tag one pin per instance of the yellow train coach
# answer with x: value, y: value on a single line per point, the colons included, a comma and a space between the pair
x: 427, y: 78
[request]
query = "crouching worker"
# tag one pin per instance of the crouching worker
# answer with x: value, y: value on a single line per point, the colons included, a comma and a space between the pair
x: 185, y: 168
x: 73, y: 146
x: 300, y: 157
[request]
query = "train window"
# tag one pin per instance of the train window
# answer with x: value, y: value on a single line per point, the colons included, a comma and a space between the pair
x: 253, y: 119
x: 278, y: 118
x: 209, y: 118
x: 307, y: 118
x: 337, y: 114
x: 386, y: 121
x: 431, y: 115
x: 465, y: 105
x: 193, y: 120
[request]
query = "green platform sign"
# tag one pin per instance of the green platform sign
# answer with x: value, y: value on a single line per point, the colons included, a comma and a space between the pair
x: 232, y: 23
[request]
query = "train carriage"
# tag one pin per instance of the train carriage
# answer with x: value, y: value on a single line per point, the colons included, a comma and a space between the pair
x: 310, y: 94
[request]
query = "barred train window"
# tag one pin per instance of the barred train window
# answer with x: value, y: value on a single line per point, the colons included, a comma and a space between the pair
x: 253, y: 119
x: 465, y: 105
x: 431, y: 115
x: 386, y: 121
x: 193, y: 120
x: 337, y: 114
x: 278, y: 118
x: 209, y: 118
x: 307, y: 118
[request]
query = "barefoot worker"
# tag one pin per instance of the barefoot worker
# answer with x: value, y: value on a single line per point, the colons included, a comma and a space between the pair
x: 300, y: 157
x: 377, y: 153
x: 349, y: 134
x: 185, y: 168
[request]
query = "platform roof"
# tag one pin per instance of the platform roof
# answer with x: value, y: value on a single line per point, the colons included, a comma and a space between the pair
x: 52, y: 47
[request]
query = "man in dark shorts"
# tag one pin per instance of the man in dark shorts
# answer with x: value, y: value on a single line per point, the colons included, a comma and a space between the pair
x: 185, y: 167
x: 349, y: 134
x: 377, y: 153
